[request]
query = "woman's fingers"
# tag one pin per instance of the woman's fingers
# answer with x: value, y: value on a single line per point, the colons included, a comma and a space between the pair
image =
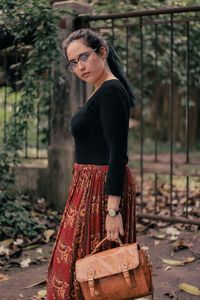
x: 113, y: 235
x: 114, y: 227
x: 116, y: 236
x: 108, y: 236
x: 121, y: 231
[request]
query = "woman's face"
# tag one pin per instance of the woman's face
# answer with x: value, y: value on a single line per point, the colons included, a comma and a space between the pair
x: 87, y: 64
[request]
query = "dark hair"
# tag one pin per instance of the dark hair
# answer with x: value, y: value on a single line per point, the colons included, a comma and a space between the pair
x: 95, y: 41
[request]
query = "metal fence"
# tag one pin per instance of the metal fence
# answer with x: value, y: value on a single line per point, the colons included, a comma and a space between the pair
x: 37, y: 131
x: 160, y: 53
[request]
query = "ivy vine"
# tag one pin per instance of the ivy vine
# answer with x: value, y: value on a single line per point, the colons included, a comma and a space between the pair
x: 34, y: 24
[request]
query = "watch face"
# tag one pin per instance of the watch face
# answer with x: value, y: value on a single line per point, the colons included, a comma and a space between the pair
x: 112, y: 212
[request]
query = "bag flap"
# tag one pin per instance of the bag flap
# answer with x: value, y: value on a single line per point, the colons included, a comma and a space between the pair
x: 107, y: 263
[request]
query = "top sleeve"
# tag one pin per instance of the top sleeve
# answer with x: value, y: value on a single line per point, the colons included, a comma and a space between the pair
x: 114, y: 115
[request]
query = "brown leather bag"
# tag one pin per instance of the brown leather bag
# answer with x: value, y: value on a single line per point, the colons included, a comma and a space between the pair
x: 119, y: 273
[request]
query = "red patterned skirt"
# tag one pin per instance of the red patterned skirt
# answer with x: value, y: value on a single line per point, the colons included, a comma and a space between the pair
x: 83, y: 227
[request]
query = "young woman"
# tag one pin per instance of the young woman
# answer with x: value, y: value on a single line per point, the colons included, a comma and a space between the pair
x: 101, y: 200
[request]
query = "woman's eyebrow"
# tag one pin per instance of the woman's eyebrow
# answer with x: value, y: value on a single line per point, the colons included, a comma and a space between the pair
x: 74, y: 60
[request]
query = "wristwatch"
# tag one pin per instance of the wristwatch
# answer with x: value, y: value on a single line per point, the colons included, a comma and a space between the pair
x: 113, y: 212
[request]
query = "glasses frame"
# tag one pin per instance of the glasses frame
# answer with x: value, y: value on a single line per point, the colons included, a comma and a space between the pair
x: 83, y: 57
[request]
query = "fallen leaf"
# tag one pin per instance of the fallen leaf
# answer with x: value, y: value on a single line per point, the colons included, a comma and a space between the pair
x: 189, y: 259
x: 41, y: 201
x: 41, y: 258
x: 25, y: 263
x: 2, y: 263
x: 162, y: 224
x: 39, y: 250
x: 4, y: 251
x: 174, y: 262
x: 181, y: 244
x: 18, y: 241
x: 156, y: 243
x: 33, y: 242
x: 16, y: 253
x: 141, y: 227
x: 167, y: 268
x: 171, y: 295
x: 6, y: 243
x: 172, y: 231
x: 12, y: 263
x: 30, y: 247
x: 173, y: 238
x: 35, y: 284
x: 48, y: 234
x: 190, y: 289
x: 145, y: 248
x: 195, y: 253
x: 42, y: 293
x: 3, y: 277
x: 159, y: 236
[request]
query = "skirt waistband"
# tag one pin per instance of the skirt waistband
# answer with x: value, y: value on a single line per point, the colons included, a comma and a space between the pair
x: 89, y: 167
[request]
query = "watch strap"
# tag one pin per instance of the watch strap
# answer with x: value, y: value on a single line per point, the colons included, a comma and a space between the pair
x: 113, y: 212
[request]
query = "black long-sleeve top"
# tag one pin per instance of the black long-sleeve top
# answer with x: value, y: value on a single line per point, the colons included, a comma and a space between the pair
x: 100, y: 131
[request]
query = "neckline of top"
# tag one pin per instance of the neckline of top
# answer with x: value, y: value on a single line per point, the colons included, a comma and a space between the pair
x: 94, y: 93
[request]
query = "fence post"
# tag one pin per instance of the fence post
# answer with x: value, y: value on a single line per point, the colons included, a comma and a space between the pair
x: 60, y: 151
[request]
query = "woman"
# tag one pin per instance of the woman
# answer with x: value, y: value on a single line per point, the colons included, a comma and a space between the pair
x: 101, y: 200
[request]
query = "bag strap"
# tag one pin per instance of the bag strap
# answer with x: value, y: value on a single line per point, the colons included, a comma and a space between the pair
x: 101, y: 242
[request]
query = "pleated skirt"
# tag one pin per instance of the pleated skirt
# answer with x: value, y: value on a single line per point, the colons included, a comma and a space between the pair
x: 83, y: 226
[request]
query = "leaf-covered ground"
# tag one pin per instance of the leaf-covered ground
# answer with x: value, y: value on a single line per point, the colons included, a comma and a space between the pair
x: 174, y: 263
x: 157, y: 199
x: 174, y: 249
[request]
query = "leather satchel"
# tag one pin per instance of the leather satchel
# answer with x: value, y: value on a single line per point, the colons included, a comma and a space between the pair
x: 123, y: 272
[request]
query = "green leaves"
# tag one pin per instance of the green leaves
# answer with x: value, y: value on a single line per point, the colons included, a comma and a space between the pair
x: 34, y: 24
x: 16, y: 220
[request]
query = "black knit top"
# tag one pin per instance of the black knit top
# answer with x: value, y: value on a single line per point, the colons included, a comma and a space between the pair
x: 100, y: 131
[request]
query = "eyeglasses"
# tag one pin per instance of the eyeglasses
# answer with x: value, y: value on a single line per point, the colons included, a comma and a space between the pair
x: 83, y: 57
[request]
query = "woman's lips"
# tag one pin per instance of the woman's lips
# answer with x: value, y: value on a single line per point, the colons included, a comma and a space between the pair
x: 85, y: 74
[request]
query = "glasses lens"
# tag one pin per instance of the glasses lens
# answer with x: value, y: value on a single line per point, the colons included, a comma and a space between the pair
x: 84, y: 57
x: 71, y: 65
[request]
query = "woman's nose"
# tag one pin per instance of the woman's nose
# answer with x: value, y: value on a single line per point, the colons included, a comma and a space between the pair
x: 80, y: 65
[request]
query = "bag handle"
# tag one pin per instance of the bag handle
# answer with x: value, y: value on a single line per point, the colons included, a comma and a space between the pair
x: 101, y: 242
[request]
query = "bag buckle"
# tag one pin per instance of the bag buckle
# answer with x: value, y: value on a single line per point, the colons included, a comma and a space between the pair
x: 126, y: 274
x: 94, y: 292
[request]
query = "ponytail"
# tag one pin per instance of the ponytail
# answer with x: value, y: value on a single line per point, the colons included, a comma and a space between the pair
x: 113, y: 61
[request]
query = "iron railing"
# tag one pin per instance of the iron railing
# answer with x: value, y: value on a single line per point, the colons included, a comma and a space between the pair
x: 160, y: 53
x: 37, y: 130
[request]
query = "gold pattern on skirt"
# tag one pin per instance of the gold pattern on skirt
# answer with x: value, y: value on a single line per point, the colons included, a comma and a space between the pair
x: 64, y: 251
x: 70, y: 217
x: 60, y: 286
x: 83, y: 227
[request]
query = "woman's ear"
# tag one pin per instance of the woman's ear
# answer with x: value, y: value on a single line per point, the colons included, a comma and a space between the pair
x: 103, y: 52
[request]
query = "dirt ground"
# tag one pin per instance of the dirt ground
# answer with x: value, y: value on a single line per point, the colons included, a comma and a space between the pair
x: 166, y: 280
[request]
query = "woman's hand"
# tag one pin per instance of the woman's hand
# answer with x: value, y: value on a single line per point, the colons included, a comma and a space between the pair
x: 114, y: 227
